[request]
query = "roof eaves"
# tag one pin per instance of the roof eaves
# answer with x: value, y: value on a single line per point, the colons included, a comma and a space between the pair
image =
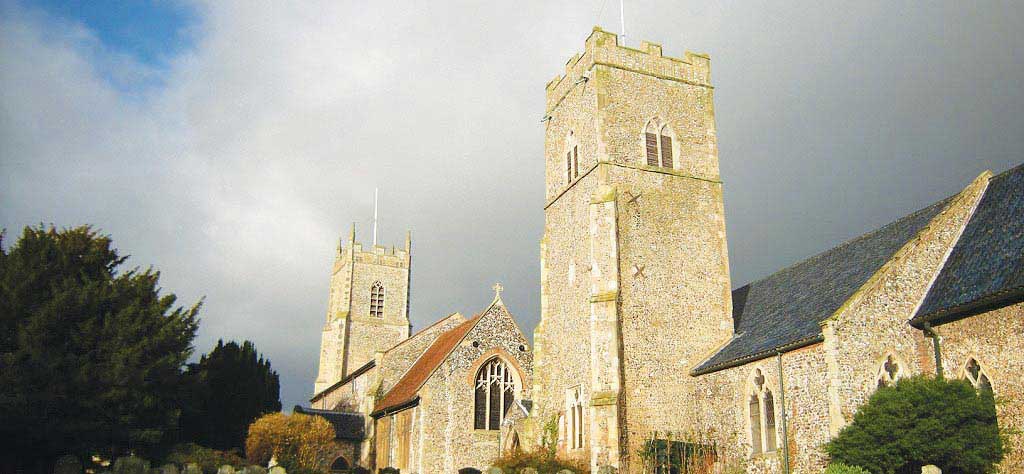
x: 986, y: 303
x: 414, y: 401
x: 788, y: 347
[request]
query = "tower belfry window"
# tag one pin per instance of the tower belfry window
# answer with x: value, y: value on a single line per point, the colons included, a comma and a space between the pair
x: 658, y: 144
x: 377, y: 300
x: 572, y: 158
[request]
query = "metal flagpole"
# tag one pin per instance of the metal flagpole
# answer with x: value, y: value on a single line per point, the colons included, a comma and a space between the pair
x: 374, y: 217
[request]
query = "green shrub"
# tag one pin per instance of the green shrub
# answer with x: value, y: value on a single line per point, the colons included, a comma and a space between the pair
x: 544, y: 461
x: 920, y: 421
x: 840, y: 468
x: 209, y: 460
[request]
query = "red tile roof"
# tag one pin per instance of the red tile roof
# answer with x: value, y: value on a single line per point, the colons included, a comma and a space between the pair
x: 405, y: 390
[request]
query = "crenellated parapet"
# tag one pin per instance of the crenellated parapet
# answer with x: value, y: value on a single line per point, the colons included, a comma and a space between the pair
x: 603, y: 49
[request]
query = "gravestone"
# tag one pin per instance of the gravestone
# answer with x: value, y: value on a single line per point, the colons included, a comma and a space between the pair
x: 191, y: 468
x: 253, y: 470
x: 277, y: 470
x: 226, y: 469
x: 931, y: 470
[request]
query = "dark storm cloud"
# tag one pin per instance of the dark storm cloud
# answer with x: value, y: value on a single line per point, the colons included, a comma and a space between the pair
x: 239, y: 174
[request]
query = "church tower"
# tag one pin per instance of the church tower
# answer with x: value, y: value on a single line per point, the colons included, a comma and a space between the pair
x: 634, y: 268
x: 367, y: 310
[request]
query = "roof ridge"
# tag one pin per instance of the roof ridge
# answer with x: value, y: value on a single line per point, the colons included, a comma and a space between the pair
x: 847, y: 242
x: 421, y: 331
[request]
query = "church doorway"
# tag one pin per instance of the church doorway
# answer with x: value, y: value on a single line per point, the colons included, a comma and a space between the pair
x: 341, y: 466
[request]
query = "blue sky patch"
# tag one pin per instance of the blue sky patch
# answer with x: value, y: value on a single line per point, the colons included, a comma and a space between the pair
x: 152, y: 32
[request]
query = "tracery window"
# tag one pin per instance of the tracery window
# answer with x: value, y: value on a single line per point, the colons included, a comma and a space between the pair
x: 572, y: 159
x: 377, y: 300
x: 658, y: 144
x: 493, y: 394
x: 889, y: 372
x: 762, y: 416
x: 574, y: 420
x: 976, y: 375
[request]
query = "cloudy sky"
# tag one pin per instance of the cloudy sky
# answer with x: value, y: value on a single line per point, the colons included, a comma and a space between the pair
x: 230, y: 144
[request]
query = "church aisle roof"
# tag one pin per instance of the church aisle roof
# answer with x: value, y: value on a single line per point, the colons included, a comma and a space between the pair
x: 986, y: 266
x: 783, y: 311
x: 405, y: 390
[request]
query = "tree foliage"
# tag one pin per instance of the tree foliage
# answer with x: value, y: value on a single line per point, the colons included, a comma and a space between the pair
x: 226, y: 391
x: 91, y: 355
x: 920, y: 421
x: 297, y: 441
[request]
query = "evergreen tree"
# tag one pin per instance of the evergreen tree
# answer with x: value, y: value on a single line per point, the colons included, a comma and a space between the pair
x: 919, y: 421
x: 228, y: 389
x: 91, y: 356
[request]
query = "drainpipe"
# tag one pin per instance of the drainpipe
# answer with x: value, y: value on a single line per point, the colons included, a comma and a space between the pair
x: 785, y: 428
x: 937, y: 345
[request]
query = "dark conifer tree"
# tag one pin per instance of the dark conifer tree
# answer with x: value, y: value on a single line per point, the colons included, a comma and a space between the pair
x: 91, y: 357
x: 227, y: 390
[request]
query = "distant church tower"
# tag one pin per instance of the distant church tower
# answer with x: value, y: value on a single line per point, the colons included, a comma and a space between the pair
x: 634, y: 268
x: 368, y: 308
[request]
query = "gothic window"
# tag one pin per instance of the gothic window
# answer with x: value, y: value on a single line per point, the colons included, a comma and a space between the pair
x: 494, y: 393
x: 572, y: 159
x: 762, y: 416
x: 889, y: 372
x: 658, y: 144
x: 377, y: 300
x: 976, y: 375
x: 574, y: 408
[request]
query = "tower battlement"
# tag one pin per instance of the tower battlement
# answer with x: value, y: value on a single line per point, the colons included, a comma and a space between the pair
x: 393, y: 256
x: 603, y: 49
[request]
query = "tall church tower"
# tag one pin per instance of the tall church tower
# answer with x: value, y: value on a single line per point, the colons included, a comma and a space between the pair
x: 368, y: 308
x: 634, y: 268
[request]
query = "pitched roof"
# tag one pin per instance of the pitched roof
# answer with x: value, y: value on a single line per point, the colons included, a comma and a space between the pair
x: 783, y: 310
x: 344, y: 380
x: 986, y: 266
x: 404, y: 392
x: 347, y: 425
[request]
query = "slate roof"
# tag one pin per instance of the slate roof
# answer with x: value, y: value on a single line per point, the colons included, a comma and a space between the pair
x: 986, y: 267
x: 782, y: 311
x: 347, y: 425
x: 405, y: 391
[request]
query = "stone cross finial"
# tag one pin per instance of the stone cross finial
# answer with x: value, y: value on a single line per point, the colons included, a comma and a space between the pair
x: 497, y: 290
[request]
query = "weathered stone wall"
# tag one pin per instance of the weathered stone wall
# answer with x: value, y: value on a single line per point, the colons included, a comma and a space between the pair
x: 670, y: 268
x: 721, y: 410
x: 443, y: 436
x: 872, y: 325
x: 994, y: 339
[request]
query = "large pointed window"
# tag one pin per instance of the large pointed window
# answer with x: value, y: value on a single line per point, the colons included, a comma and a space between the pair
x: 762, y: 416
x: 493, y: 394
x: 377, y: 300
x: 658, y: 144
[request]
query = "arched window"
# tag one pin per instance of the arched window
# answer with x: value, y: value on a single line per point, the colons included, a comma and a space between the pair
x: 574, y: 408
x: 377, y: 300
x: 976, y: 375
x: 658, y: 144
x: 762, y: 416
x: 572, y: 159
x: 494, y: 393
x: 755, y: 423
x: 889, y: 372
